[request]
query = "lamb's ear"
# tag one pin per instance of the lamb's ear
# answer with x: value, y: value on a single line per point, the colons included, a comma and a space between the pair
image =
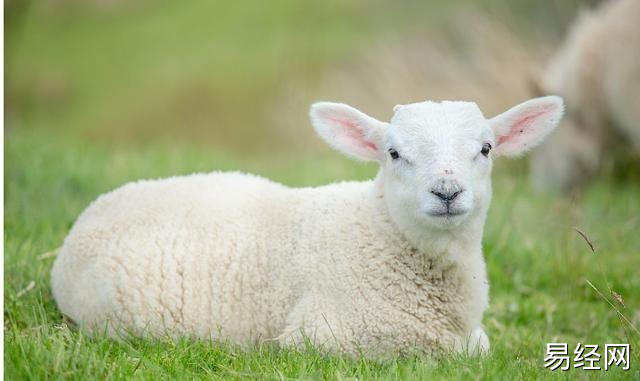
x: 348, y: 130
x: 524, y: 126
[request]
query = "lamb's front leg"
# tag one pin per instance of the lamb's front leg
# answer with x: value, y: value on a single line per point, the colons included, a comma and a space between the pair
x: 308, y: 322
x: 473, y: 344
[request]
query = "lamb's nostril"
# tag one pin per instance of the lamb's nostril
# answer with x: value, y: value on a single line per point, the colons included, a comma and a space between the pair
x: 449, y: 196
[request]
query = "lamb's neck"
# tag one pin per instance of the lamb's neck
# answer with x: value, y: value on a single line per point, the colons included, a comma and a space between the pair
x: 450, y: 245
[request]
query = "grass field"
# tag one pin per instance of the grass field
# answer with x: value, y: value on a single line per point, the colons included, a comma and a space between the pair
x: 538, y: 268
x: 98, y: 97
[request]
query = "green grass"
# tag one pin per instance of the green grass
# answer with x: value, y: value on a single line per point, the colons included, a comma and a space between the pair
x: 538, y: 267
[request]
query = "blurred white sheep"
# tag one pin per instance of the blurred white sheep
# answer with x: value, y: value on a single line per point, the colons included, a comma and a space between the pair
x: 597, y: 71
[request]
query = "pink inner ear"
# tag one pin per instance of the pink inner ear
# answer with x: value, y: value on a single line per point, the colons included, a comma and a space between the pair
x: 521, y: 125
x: 351, y: 130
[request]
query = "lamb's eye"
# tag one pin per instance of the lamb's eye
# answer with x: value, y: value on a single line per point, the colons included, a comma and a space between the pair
x: 393, y: 153
x: 486, y: 147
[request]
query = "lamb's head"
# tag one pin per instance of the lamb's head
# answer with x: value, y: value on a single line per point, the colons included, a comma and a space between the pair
x: 435, y: 158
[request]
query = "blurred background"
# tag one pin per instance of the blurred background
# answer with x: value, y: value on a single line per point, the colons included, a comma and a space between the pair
x: 239, y: 78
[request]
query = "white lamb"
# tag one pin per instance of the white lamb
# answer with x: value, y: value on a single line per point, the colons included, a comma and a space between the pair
x: 377, y: 268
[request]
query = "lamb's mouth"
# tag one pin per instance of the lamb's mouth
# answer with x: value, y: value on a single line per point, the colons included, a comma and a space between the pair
x: 447, y: 213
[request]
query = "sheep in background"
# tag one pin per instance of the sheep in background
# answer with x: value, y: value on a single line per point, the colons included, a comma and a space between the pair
x: 380, y: 267
x: 597, y: 72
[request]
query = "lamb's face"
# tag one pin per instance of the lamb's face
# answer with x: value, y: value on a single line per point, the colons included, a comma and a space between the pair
x: 437, y: 166
x: 436, y: 158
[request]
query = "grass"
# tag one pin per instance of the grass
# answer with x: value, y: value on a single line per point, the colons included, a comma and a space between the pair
x: 97, y: 97
x: 538, y: 267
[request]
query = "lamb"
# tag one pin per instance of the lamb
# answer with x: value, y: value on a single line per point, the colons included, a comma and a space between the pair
x: 375, y: 268
x: 597, y: 71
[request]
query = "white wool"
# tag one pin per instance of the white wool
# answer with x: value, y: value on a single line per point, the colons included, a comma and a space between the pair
x: 376, y: 268
x: 597, y: 71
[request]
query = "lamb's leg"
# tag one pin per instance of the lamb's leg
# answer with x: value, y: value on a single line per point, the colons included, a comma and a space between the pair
x: 309, y: 323
x: 476, y: 343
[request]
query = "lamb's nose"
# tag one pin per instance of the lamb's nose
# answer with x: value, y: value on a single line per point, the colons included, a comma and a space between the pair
x: 448, y: 196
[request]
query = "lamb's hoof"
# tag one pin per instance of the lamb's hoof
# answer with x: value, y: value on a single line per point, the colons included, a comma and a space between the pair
x: 476, y: 344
